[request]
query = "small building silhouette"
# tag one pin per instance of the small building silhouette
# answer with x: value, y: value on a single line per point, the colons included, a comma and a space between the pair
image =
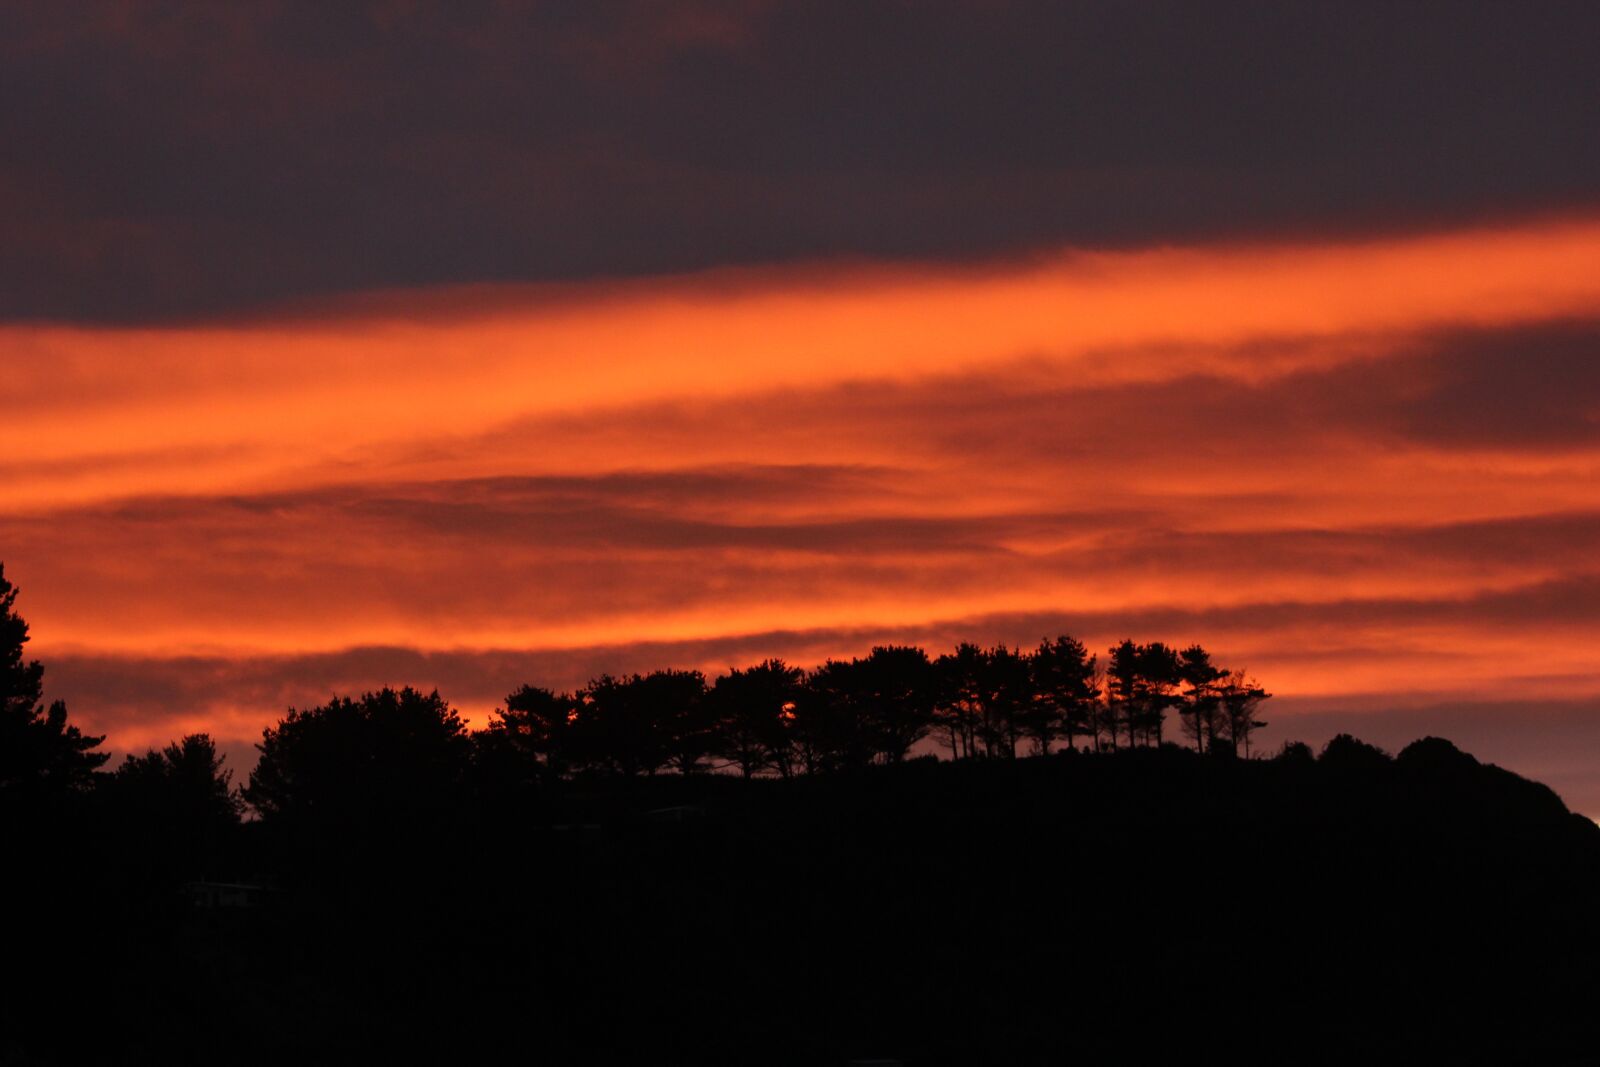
x: 226, y: 896
x: 677, y: 813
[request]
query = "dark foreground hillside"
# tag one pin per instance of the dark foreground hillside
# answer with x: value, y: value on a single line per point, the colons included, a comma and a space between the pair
x: 1117, y: 907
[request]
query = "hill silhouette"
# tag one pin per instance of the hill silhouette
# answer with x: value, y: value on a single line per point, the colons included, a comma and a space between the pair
x: 571, y: 885
x: 1122, y: 906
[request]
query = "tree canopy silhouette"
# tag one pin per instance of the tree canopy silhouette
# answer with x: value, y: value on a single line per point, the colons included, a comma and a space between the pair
x: 1066, y: 691
x: 179, y: 803
x: 540, y: 724
x: 382, y: 758
x: 184, y: 783
x: 755, y: 710
x: 776, y: 719
x: 39, y: 748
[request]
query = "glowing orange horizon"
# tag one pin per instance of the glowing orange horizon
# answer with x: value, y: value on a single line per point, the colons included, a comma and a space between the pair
x: 831, y: 451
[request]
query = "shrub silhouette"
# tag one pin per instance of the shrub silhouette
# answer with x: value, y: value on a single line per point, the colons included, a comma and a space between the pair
x: 1435, y: 753
x: 1346, y: 752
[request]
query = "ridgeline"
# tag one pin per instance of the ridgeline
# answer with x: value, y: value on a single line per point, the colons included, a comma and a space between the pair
x: 406, y: 891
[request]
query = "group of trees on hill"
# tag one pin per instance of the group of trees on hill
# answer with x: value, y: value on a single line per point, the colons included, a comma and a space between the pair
x: 770, y: 719
x: 975, y: 702
x: 580, y: 860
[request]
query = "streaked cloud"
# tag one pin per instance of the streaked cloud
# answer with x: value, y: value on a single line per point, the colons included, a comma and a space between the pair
x: 263, y: 403
x: 475, y: 344
x: 1358, y: 468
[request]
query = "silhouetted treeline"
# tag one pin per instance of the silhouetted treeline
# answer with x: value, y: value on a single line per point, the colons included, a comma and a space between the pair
x: 566, y: 886
x: 771, y: 718
x: 990, y: 702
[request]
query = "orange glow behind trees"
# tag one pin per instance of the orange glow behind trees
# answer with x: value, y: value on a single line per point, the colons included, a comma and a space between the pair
x: 1334, y: 463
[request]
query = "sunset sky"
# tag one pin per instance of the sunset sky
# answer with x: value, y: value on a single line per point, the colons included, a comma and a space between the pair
x: 468, y: 345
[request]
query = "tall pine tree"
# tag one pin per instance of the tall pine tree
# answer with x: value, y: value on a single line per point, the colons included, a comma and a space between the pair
x: 38, y: 748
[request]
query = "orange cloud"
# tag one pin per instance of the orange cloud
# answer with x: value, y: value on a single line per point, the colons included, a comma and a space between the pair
x: 260, y: 401
x: 1358, y: 468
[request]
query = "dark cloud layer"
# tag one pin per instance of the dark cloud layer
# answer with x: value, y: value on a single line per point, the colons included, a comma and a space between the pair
x: 170, y: 158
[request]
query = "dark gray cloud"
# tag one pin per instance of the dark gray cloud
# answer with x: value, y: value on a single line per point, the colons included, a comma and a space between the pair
x: 172, y: 158
x: 1519, y: 388
x: 1534, y: 387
